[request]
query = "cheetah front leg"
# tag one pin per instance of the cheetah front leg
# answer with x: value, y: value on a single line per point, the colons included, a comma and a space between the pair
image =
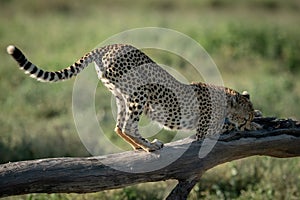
x: 208, y: 128
x: 131, y: 129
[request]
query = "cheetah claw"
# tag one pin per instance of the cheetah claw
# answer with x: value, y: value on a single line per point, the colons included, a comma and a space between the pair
x: 157, y: 143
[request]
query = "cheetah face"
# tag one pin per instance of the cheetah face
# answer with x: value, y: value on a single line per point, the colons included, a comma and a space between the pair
x: 240, y: 111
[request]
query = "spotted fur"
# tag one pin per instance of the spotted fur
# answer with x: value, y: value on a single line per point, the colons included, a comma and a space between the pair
x: 142, y: 86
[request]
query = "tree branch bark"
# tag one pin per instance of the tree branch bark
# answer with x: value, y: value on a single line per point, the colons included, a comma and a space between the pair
x: 278, y: 138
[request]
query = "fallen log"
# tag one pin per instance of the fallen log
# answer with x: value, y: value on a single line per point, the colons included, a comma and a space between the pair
x: 278, y: 138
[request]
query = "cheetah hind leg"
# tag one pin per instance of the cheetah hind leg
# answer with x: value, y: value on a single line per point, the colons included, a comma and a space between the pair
x: 154, y: 145
x: 121, y: 115
x: 140, y: 143
x: 130, y: 124
x: 145, y: 144
x: 127, y: 139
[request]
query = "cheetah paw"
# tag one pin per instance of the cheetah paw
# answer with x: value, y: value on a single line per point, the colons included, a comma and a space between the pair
x: 154, y: 145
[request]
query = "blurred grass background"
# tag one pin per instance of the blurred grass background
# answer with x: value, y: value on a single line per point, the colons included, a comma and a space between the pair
x: 255, y: 44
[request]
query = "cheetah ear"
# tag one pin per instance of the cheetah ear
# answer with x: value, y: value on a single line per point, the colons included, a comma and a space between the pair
x: 246, y: 94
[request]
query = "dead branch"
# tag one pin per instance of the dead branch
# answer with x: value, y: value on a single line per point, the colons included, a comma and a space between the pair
x: 278, y: 138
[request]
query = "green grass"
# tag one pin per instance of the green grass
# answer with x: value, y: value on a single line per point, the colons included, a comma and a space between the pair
x: 255, y: 45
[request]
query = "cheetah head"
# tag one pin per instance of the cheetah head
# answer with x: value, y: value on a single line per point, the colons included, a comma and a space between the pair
x: 240, y: 110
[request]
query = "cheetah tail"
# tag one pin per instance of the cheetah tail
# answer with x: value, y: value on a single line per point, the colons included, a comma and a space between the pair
x: 48, y: 76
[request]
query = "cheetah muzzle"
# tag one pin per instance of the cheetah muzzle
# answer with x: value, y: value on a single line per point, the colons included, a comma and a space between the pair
x: 142, y: 86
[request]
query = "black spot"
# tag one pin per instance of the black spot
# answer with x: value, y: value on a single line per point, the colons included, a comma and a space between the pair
x: 17, y: 54
x: 27, y: 65
x: 52, y: 75
x: 72, y: 69
x: 77, y: 70
x: 34, y: 70
x: 21, y: 60
x: 40, y: 73
x: 66, y: 73
x: 46, y: 75
x: 59, y: 74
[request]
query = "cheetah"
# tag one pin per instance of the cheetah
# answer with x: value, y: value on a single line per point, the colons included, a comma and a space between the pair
x: 142, y: 86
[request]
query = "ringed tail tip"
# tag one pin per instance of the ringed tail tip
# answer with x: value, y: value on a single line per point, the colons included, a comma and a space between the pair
x: 10, y: 49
